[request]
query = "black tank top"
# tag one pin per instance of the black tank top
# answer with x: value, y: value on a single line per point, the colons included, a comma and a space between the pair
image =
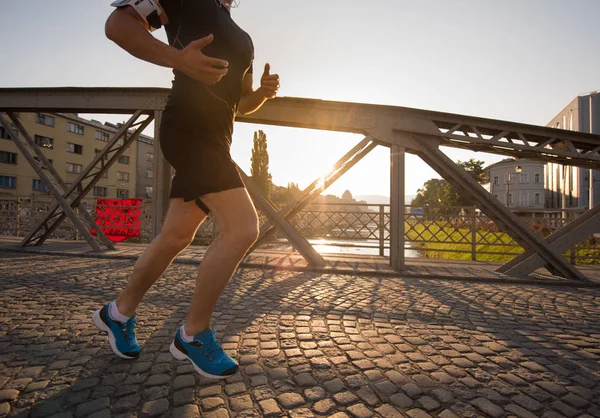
x: 211, y: 109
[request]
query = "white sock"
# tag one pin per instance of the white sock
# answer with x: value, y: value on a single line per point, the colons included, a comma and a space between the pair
x: 114, y: 313
x: 186, y: 338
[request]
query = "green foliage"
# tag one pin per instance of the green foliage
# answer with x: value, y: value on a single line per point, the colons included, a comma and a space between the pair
x: 438, y: 192
x: 259, y: 170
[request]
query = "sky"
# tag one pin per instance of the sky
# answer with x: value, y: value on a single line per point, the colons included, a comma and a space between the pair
x: 515, y: 60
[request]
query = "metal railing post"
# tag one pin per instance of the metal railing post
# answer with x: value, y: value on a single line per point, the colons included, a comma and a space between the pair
x: 18, y: 218
x: 473, y: 234
x: 381, y: 230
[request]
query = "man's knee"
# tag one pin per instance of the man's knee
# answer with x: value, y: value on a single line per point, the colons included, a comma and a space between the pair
x: 175, y: 241
x: 244, y: 232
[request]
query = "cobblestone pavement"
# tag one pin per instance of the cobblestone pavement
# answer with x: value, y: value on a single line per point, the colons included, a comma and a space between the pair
x: 308, y: 345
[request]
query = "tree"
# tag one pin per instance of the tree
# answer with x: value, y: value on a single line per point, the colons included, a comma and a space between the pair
x: 475, y: 169
x: 259, y: 170
x: 438, y: 192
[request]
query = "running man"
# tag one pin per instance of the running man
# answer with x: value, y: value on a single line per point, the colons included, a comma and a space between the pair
x: 212, y: 60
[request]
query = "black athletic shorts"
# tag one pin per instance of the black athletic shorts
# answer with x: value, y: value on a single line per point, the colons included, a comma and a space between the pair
x: 202, y: 165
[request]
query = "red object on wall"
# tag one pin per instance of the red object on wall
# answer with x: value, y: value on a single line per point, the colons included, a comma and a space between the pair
x: 119, y: 219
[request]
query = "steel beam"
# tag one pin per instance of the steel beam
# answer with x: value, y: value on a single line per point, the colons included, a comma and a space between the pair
x: 478, y: 134
x: 161, y: 181
x: 310, y: 193
x: 501, y: 215
x: 94, y: 172
x: 560, y: 241
x: 397, y: 206
x: 298, y: 241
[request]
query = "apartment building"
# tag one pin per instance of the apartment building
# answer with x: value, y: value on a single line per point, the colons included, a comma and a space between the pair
x: 568, y: 186
x: 70, y: 143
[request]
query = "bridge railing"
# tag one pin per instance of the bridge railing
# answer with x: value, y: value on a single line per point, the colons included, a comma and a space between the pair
x: 431, y: 232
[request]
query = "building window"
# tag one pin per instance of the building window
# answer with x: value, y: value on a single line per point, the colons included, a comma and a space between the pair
x: 124, y: 159
x: 496, y: 197
x: 510, y: 199
x: 8, y: 157
x: 38, y: 185
x: 536, y: 198
x: 44, y: 119
x: 524, y: 178
x: 149, y: 157
x: 524, y: 199
x: 496, y: 180
x: 74, y: 148
x: 120, y: 142
x: 149, y: 174
x: 100, y: 191
x: 8, y: 182
x: 74, y: 168
x: 44, y: 142
x: 148, y: 191
x: 4, y: 134
x: 511, y: 178
x: 102, y: 136
x: 38, y: 160
x: 75, y: 128
x: 536, y: 178
x: 122, y: 193
x: 122, y: 176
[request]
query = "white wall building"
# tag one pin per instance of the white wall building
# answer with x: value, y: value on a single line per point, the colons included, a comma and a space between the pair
x: 518, y: 184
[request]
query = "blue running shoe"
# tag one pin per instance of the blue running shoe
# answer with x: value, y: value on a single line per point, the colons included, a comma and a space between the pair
x: 205, y: 354
x: 120, y: 334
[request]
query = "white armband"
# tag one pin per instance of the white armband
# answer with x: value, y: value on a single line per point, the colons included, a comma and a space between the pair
x: 149, y: 10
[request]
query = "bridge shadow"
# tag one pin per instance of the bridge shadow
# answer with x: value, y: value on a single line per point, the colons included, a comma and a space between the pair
x: 254, y: 305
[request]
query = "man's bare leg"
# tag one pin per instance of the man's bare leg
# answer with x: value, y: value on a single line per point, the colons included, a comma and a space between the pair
x: 179, y: 229
x: 239, y: 229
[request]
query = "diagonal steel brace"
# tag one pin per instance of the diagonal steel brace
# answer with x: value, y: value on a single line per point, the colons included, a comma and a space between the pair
x: 54, y: 188
x: 94, y: 172
x: 310, y: 193
x: 298, y: 241
x: 560, y: 241
x: 492, y: 208
x: 44, y: 163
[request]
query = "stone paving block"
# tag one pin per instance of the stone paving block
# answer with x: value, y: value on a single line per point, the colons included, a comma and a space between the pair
x: 401, y: 400
x: 446, y: 413
x: 240, y: 403
x: 290, y: 400
x: 92, y: 406
x: 519, y: 411
x: 269, y: 407
x: 186, y: 411
x: 574, y: 400
x: 334, y: 386
x: 219, y: 413
x: 8, y: 395
x: 565, y: 409
x: 488, y: 407
x: 324, y: 406
x: 211, y: 403
x: 126, y: 403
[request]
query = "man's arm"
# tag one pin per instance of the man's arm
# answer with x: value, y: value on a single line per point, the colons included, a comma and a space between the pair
x: 251, y: 100
x: 127, y: 29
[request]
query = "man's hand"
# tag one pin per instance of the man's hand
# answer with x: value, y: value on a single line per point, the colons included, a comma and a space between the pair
x: 192, y: 62
x: 269, y: 83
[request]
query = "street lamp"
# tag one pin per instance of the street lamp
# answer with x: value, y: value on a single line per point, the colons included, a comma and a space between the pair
x: 518, y: 170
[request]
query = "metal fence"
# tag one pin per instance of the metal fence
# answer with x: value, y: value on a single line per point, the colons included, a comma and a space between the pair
x: 432, y: 232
